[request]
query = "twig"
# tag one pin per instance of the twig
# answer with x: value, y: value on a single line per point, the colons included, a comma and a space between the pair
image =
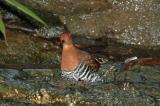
x: 20, y: 28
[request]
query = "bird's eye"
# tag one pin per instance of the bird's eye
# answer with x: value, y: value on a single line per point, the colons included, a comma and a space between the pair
x: 62, y: 40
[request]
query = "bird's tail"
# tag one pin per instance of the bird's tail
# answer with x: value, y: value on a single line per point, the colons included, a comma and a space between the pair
x: 140, y: 61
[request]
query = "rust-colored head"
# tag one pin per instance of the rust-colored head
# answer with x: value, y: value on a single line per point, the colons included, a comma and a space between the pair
x: 66, y: 38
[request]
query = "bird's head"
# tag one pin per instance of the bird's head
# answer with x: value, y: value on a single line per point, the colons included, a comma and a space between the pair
x: 66, y: 38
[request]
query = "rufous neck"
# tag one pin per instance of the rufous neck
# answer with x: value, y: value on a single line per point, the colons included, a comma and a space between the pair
x: 68, y: 46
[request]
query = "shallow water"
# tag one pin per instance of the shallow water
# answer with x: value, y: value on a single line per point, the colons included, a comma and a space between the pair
x: 139, y: 86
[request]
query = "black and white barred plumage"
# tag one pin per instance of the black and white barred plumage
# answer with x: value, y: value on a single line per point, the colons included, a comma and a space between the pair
x: 83, y: 73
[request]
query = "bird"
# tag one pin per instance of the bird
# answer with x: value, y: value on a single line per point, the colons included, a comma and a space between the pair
x: 77, y: 64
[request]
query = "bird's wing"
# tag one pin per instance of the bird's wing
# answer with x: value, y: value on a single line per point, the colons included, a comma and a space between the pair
x: 87, y: 59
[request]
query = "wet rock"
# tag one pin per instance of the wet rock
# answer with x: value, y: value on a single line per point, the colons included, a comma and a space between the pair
x: 128, y: 91
x: 22, y: 48
x: 127, y: 21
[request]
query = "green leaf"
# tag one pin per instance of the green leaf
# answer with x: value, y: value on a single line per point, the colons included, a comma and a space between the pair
x: 2, y: 28
x: 26, y: 10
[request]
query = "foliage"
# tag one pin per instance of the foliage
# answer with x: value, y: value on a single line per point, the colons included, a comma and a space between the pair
x: 23, y: 9
x: 2, y: 28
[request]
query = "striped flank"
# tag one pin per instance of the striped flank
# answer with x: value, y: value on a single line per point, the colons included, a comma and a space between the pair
x: 82, y: 73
